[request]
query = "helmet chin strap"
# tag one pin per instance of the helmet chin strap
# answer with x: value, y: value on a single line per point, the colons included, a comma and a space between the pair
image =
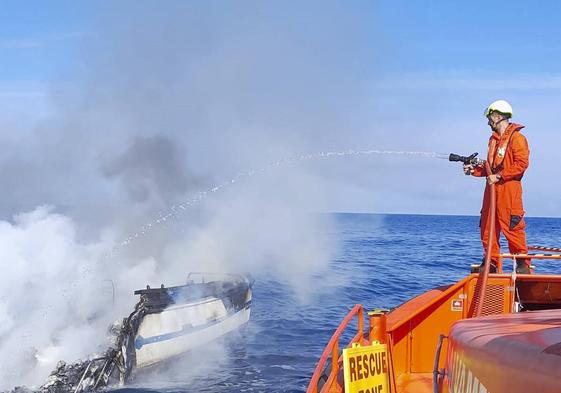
x: 494, y: 124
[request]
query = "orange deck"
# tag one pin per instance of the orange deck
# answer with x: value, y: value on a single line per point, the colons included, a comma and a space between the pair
x: 415, y: 383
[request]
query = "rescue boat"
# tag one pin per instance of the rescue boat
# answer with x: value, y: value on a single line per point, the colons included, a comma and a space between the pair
x: 496, y: 333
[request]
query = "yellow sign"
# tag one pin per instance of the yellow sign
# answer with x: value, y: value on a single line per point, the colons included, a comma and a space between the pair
x: 366, y: 369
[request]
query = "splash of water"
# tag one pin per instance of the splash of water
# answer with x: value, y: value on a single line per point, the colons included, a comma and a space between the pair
x: 175, y: 210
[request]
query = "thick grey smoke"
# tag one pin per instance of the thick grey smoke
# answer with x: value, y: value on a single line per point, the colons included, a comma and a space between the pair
x: 152, y: 171
x: 160, y: 102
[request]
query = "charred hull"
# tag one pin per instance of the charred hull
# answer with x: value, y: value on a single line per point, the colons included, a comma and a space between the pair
x: 165, y: 323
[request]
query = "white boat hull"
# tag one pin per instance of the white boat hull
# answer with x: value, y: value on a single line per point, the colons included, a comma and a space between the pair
x: 181, y: 328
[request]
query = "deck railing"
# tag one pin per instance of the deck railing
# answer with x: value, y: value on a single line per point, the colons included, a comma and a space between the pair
x: 332, y: 349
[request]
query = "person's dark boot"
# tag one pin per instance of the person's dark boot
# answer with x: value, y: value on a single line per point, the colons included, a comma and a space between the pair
x: 522, y: 267
x: 492, y: 267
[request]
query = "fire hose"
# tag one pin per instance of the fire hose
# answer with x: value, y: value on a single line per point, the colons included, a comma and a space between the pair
x: 482, y: 279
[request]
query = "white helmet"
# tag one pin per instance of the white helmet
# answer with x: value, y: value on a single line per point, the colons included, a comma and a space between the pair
x: 500, y: 106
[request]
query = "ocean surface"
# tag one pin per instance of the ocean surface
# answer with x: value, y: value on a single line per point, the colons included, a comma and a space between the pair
x: 385, y: 260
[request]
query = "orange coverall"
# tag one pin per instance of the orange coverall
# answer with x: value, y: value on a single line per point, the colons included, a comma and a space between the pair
x: 508, y: 156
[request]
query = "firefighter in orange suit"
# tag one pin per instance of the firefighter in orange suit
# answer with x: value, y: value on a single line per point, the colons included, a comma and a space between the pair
x: 508, y: 158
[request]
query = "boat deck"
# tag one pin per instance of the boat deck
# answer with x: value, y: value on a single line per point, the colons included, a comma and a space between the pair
x: 415, y: 383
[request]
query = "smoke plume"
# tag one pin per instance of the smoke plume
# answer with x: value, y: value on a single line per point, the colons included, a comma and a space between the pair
x: 157, y: 104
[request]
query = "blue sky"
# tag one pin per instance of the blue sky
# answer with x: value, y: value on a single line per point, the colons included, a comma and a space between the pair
x: 485, y: 36
x: 400, y: 75
x: 37, y: 38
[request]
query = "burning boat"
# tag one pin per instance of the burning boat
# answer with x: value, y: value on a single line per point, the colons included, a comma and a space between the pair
x: 178, y: 319
x: 165, y: 323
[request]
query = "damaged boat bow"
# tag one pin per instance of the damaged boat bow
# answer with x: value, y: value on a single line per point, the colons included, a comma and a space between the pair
x: 166, y: 322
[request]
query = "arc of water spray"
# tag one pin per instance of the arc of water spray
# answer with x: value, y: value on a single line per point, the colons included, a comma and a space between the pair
x: 176, y: 209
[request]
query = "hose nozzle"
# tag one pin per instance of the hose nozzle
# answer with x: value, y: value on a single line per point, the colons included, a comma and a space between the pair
x: 469, y: 160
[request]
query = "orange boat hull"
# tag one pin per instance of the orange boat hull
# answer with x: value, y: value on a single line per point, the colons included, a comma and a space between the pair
x: 515, y: 353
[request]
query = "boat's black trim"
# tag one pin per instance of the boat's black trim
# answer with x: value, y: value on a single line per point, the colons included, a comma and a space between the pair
x: 233, y: 293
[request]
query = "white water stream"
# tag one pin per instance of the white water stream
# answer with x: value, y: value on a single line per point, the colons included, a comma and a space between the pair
x: 177, y: 209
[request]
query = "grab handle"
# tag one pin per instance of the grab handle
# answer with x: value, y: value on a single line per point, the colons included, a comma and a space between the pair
x: 435, y: 372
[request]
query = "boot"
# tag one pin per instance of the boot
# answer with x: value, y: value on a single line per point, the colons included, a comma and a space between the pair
x: 522, y: 267
x: 492, y: 267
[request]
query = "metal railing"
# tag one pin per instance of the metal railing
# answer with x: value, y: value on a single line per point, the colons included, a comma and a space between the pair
x: 530, y: 256
x: 204, y: 276
x: 332, y: 349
